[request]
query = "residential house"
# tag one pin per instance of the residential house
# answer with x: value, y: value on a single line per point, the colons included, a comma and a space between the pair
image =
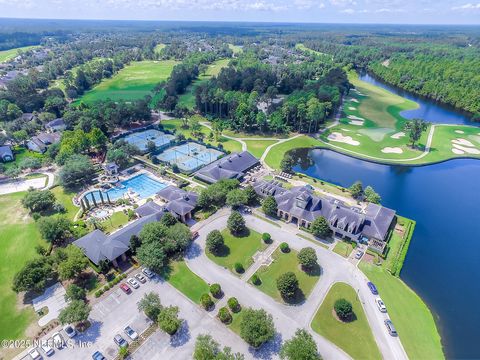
x: 41, y: 142
x: 6, y: 153
x: 55, y: 125
x: 180, y: 203
x: 233, y: 166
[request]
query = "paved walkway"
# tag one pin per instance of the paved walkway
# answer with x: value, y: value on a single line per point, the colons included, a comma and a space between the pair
x: 23, y: 184
x: 54, y: 299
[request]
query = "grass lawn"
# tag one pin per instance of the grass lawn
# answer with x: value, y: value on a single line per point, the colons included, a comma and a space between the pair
x: 354, y: 337
x: 184, y: 280
x: 276, y: 153
x: 65, y: 198
x: 116, y: 221
x: 19, y: 236
x: 228, y: 144
x: 281, y: 264
x: 238, y: 249
x: 236, y: 321
x: 133, y: 82
x: 235, y: 48
x: 6, y: 55
x: 188, y: 99
x: 405, y: 308
x: 257, y: 147
x: 22, y: 153
x: 344, y: 248
x: 397, y: 246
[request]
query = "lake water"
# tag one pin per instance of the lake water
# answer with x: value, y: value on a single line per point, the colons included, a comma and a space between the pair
x: 442, y: 264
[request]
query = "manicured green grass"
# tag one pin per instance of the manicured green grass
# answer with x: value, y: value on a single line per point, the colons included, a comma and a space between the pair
x: 187, y: 282
x: 421, y: 340
x: 133, y: 82
x: 236, y: 321
x: 257, y: 147
x: 19, y: 236
x: 6, y: 55
x: 397, y: 246
x: 188, y: 99
x: 276, y: 153
x: 238, y: 249
x: 20, y: 154
x: 354, y: 337
x: 281, y: 264
x: 228, y: 144
x: 235, y: 48
x: 116, y: 221
x: 343, y: 248
x: 65, y: 198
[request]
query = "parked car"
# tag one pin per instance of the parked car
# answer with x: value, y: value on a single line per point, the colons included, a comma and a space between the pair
x: 140, y: 278
x: 70, y: 331
x: 381, y: 305
x: 359, y: 254
x: 148, y: 273
x: 97, y: 355
x: 120, y: 341
x: 126, y: 289
x: 34, y: 354
x: 391, y: 329
x: 194, y: 235
x: 132, y: 334
x: 133, y: 283
x: 372, y: 288
x: 47, y: 349
x: 58, y: 341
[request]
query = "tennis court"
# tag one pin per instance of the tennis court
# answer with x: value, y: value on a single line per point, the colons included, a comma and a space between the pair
x: 141, y: 139
x: 189, y: 156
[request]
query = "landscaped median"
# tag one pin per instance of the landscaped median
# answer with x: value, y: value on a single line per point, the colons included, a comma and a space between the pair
x: 354, y: 335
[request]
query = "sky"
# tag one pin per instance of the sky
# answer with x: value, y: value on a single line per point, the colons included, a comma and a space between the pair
x: 322, y: 11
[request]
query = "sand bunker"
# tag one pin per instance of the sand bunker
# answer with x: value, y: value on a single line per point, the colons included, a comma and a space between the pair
x: 465, y: 149
x: 351, y: 108
x: 392, y: 150
x: 353, y: 117
x: 398, y: 135
x: 458, y: 151
x: 462, y: 142
x: 345, y: 130
x: 354, y: 100
x: 356, y: 122
x: 460, y: 131
x: 338, y: 137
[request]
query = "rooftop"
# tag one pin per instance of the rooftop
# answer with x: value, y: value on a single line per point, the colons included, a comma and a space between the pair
x: 232, y: 166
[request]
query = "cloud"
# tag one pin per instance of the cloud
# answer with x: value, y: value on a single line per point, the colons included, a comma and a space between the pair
x: 343, y: 3
x: 348, y: 11
x: 468, y: 6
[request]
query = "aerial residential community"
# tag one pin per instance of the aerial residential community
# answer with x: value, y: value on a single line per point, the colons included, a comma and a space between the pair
x: 238, y: 190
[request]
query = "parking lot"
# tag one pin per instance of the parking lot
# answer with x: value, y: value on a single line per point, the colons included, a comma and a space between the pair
x: 117, y: 310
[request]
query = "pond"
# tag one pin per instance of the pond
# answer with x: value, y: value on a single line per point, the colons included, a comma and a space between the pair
x: 443, y: 261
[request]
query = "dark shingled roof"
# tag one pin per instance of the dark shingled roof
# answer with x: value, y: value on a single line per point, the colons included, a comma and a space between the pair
x: 180, y: 201
x: 149, y: 208
x: 6, y: 150
x: 232, y: 166
x: 98, y: 246
x: 55, y: 123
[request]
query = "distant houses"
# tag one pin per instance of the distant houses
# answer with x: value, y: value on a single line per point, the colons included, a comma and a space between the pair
x: 40, y: 142
x: 233, y: 166
x: 55, y: 125
x: 6, y: 153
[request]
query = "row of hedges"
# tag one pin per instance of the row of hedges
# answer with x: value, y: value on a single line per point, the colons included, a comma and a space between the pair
x: 110, y: 285
x: 397, y: 264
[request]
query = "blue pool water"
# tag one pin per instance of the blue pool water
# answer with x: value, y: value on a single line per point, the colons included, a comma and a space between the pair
x: 141, y: 184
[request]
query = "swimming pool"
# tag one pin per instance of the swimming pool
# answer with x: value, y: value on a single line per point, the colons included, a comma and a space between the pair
x: 141, y: 184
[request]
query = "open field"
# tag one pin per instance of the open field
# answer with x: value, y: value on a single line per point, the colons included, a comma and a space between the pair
x: 354, y: 337
x: 176, y: 124
x: 238, y: 249
x: 188, y: 99
x: 19, y: 236
x: 257, y: 147
x: 420, y: 341
x: 282, y: 263
x: 276, y: 153
x: 133, y: 82
x: 6, y: 55
x: 344, y: 248
x: 184, y: 280
x: 115, y: 222
x: 65, y: 198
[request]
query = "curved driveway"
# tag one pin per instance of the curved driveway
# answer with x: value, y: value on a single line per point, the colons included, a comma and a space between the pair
x: 288, y: 318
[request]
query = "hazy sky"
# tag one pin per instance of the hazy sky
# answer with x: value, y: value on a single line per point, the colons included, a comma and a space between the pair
x: 350, y: 11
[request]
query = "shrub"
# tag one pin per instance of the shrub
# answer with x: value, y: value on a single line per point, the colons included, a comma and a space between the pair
x: 215, y: 241
x: 307, y: 257
x: 206, y: 301
x: 257, y: 327
x: 267, y: 238
x: 98, y: 293
x: 239, y: 268
x: 284, y: 247
x: 343, y: 309
x: 233, y: 304
x: 269, y: 206
x: 287, y: 284
x: 236, y: 223
x: 216, y: 290
x: 224, y: 315
x: 168, y: 320
x: 256, y: 280
x: 75, y: 292
x: 320, y: 227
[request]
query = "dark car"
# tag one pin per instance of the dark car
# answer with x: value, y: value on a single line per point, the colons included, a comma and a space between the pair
x: 372, y: 288
x: 391, y: 329
x: 194, y: 235
x: 97, y: 355
x: 120, y: 341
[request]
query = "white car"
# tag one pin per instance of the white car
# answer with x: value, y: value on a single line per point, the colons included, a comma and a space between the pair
x: 34, y: 354
x: 132, y: 334
x: 148, y: 273
x: 58, y: 341
x: 140, y: 278
x: 381, y: 305
x: 47, y: 349
x: 133, y: 283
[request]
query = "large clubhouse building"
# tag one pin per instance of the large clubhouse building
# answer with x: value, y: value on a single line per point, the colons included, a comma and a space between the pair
x: 301, y: 206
